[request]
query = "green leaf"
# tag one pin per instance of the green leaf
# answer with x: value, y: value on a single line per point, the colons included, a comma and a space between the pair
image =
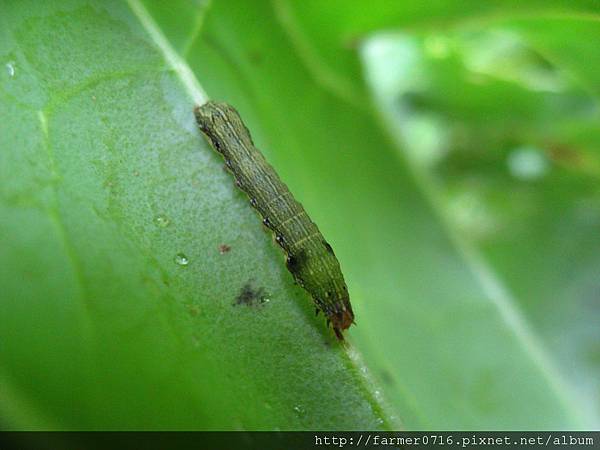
x: 508, y: 141
x: 106, y: 182
x: 568, y: 41
x: 446, y: 339
x: 327, y: 34
x: 118, y: 310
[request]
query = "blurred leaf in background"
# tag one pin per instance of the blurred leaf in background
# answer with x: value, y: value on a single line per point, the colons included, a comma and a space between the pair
x: 448, y: 151
x: 507, y: 140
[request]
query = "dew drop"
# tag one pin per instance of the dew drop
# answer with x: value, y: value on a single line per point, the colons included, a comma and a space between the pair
x: 162, y: 221
x: 10, y: 68
x: 263, y: 297
x: 299, y: 410
x: 181, y: 259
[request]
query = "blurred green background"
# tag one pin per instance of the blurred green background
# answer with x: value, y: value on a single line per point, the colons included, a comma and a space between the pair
x: 448, y: 150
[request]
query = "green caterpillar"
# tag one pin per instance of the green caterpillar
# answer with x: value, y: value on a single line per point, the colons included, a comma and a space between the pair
x: 310, y: 258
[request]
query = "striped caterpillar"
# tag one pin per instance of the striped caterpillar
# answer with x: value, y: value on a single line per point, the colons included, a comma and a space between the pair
x: 310, y: 258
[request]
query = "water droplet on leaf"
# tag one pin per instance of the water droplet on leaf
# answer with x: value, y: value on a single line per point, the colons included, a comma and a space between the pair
x: 162, y: 221
x: 10, y: 68
x: 181, y: 259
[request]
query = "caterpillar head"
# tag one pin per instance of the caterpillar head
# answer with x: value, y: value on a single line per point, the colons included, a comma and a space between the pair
x: 341, y: 320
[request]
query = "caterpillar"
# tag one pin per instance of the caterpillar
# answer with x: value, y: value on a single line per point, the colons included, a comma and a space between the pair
x: 309, y: 257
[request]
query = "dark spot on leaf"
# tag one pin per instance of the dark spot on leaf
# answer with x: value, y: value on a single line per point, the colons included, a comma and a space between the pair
x: 224, y: 248
x: 193, y: 310
x: 251, y: 296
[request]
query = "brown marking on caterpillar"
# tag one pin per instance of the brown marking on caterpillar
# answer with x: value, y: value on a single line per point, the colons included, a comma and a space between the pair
x: 310, y: 258
x: 224, y: 248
